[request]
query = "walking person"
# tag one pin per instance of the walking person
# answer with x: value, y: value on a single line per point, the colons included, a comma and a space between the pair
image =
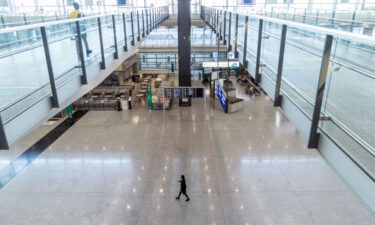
x: 183, y: 188
x: 76, y: 13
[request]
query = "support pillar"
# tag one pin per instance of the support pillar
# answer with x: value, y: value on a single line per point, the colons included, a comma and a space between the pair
x: 102, y: 53
x: 259, y: 51
x: 230, y: 32
x: 132, y: 22
x: 184, y: 46
x: 245, y: 43
x: 3, y: 138
x: 314, y: 135
x: 236, y: 38
x: 54, y: 98
x: 278, y: 97
x: 138, y: 26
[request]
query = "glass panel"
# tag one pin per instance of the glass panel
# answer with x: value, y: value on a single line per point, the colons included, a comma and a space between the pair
x: 301, y: 68
x: 22, y: 86
x: 107, y: 29
x: 349, y: 102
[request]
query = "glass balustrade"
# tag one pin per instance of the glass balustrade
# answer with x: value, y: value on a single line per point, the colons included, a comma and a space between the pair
x: 348, y: 109
x: 24, y: 74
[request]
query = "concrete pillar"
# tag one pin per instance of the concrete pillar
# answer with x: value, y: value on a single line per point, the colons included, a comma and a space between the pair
x: 184, y: 47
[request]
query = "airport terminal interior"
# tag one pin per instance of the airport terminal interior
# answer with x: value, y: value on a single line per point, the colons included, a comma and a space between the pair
x: 187, y: 112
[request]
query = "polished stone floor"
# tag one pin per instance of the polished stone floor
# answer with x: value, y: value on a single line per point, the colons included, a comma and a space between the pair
x: 250, y: 167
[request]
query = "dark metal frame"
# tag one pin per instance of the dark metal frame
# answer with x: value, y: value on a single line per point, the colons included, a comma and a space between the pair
x: 125, y: 35
x: 139, y: 30
x: 143, y: 24
x: 314, y: 135
x: 236, y: 37
x: 102, y: 54
x: 259, y: 51
x: 132, y: 22
x: 147, y: 27
x: 245, y: 42
x: 225, y: 28
x: 3, y: 138
x: 115, y: 55
x: 278, y: 97
x: 230, y: 32
x: 54, y: 98
x: 80, y: 52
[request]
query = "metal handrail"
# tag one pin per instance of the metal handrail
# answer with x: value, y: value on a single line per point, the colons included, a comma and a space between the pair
x: 38, y: 25
x: 320, y: 30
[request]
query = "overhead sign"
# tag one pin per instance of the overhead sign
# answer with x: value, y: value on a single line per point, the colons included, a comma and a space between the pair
x: 177, y: 92
x: 221, y: 96
x: 221, y: 64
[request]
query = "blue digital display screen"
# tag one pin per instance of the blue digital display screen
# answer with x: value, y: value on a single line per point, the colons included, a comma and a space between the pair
x: 221, y: 96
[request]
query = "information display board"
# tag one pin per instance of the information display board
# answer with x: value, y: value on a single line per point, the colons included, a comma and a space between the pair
x: 177, y: 92
x: 221, y: 64
x: 221, y: 96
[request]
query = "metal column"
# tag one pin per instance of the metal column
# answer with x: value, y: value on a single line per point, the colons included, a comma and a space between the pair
x: 236, y: 38
x: 259, y: 49
x: 278, y: 97
x: 54, y: 98
x: 221, y: 25
x: 132, y: 22
x: 230, y: 32
x: 147, y: 27
x: 143, y: 24
x: 184, y: 45
x: 138, y: 26
x: 225, y: 26
x: 125, y: 35
x: 3, y: 138
x: 314, y: 135
x: 245, y: 43
x: 115, y: 37
x: 102, y: 63
x: 80, y: 52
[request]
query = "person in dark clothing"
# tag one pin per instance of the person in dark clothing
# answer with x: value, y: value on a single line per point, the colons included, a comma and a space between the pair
x: 183, y: 188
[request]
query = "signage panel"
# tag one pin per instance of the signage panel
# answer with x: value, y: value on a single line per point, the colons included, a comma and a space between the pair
x: 177, y: 92
x: 221, y: 96
x: 221, y: 64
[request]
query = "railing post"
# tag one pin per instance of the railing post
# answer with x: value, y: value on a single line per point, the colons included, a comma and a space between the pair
x: 150, y: 20
x: 102, y: 63
x: 153, y: 18
x: 230, y: 32
x: 225, y: 28
x: 314, y: 135
x: 278, y: 97
x: 143, y: 24
x: 132, y: 22
x: 245, y: 42
x: 115, y: 37
x: 333, y: 16
x: 3, y: 138
x: 146, y: 21
x: 353, y: 20
x: 236, y: 38
x: 259, y: 51
x: 217, y: 24
x: 125, y: 35
x: 80, y: 53
x: 2, y: 21
x: 138, y: 26
x: 54, y: 98
x: 221, y: 26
